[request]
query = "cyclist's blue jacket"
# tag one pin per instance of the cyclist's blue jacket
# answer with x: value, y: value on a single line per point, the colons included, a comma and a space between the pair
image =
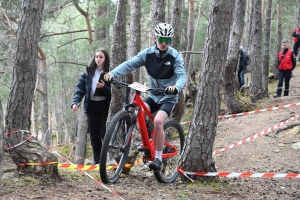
x: 164, y: 68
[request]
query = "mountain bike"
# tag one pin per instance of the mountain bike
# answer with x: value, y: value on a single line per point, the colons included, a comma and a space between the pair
x: 118, y: 136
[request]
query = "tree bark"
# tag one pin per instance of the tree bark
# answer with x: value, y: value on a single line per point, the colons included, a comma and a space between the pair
x: 266, y: 58
x: 22, y: 89
x: 158, y: 13
x: 1, y: 143
x: 197, y: 153
x: 297, y: 14
x: 256, y: 89
x: 277, y: 44
x: 175, y: 22
x: 118, y: 56
x: 179, y: 109
x: 236, y: 32
x: 190, y: 34
x: 46, y: 134
x: 81, y: 135
x: 100, y: 28
x: 248, y: 26
x: 135, y: 32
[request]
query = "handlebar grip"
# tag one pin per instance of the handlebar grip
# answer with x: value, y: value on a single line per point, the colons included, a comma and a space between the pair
x: 110, y: 79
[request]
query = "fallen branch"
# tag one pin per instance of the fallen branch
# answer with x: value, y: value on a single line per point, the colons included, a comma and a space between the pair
x: 287, y: 126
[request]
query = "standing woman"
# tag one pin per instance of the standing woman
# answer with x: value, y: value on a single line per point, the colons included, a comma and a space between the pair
x: 97, y: 95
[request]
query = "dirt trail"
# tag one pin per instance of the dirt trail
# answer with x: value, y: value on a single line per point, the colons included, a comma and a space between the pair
x: 270, y: 152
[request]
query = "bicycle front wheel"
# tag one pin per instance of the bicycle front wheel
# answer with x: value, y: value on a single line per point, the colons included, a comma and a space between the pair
x: 174, y: 135
x: 113, y: 154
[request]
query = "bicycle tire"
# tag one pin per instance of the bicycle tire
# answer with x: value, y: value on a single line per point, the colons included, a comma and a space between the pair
x: 174, y: 135
x: 111, y: 147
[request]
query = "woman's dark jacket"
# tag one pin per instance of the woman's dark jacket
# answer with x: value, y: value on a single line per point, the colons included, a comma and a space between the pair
x: 83, y: 89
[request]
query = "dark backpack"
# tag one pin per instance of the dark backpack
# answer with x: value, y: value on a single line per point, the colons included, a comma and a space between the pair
x: 247, y: 58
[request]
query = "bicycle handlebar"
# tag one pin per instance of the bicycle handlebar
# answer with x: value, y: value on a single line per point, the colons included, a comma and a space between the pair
x: 120, y: 84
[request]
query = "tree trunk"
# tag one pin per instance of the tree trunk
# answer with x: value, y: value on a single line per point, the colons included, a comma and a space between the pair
x: 263, y: 4
x: 1, y: 143
x: 118, y: 56
x: 81, y: 133
x: 197, y: 153
x: 34, y: 111
x: 190, y: 34
x: 63, y: 101
x: 266, y: 58
x: 158, y: 13
x: 21, y: 93
x: 179, y: 109
x: 135, y: 32
x: 297, y: 14
x: 46, y: 134
x: 175, y: 22
x: 236, y: 32
x: 277, y: 44
x: 256, y: 89
x: 100, y: 28
x: 249, y: 26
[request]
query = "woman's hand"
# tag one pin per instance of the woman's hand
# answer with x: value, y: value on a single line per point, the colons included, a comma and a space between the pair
x: 100, y: 84
x: 75, y: 107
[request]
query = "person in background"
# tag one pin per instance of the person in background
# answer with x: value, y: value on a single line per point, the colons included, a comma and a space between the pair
x: 242, y: 66
x: 97, y: 95
x: 165, y: 68
x: 296, y: 35
x: 286, y: 64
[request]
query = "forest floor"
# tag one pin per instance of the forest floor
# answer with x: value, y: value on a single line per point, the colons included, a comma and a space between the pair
x: 267, y: 152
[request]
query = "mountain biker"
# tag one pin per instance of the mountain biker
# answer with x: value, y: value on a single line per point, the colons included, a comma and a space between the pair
x: 165, y: 68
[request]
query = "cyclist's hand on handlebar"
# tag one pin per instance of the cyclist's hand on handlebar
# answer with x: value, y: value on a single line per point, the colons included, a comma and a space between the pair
x: 108, y: 78
x: 171, y: 90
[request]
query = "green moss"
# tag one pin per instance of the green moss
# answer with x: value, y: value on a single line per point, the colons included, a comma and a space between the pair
x: 66, y: 150
x: 182, y: 196
x: 186, y: 132
x: 214, y: 184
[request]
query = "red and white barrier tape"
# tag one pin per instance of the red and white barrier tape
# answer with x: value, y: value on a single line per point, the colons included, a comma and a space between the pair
x: 252, y: 112
x: 9, y: 148
x: 12, y: 132
x: 239, y: 175
x: 257, y: 135
x: 259, y: 111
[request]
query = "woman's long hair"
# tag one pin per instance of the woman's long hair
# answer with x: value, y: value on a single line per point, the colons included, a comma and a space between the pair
x: 106, y: 63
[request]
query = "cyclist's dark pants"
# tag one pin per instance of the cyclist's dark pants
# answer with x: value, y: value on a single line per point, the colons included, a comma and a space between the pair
x: 167, y: 107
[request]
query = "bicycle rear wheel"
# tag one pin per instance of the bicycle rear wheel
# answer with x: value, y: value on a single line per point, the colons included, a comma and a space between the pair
x: 174, y: 135
x: 112, y: 156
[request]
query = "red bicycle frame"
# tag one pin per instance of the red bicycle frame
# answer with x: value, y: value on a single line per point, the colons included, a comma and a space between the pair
x: 148, y: 143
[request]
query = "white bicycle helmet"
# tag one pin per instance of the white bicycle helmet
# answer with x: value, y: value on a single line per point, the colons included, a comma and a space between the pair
x: 163, y: 30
